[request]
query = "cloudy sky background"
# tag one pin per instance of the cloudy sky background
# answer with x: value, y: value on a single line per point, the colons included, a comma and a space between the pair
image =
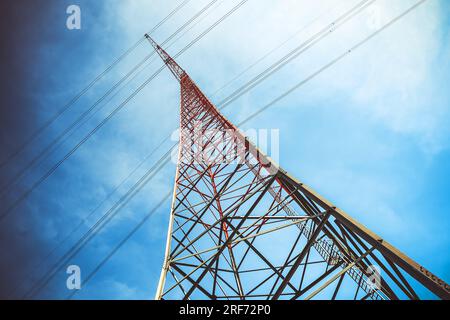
x: 371, y: 133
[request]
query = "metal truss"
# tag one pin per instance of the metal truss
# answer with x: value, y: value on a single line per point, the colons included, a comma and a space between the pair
x: 242, y: 228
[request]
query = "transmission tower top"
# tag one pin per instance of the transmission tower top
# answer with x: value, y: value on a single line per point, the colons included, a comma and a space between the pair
x: 177, y: 71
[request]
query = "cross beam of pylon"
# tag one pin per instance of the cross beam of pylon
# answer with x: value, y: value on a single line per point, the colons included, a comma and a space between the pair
x: 241, y: 227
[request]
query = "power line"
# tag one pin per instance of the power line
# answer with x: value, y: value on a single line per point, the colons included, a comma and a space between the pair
x: 133, y: 78
x: 46, y: 151
x: 50, y: 121
x: 152, y: 60
x: 181, y: 5
x: 92, y: 212
x: 100, y: 224
x: 60, y: 140
x: 311, y: 22
x: 331, y: 63
x: 303, y: 47
x: 215, y: 24
x: 199, y: 13
x: 121, y: 243
x: 60, y: 136
x: 168, y: 46
x: 25, y: 194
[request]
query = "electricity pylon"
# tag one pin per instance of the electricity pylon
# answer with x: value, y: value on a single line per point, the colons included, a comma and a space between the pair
x: 241, y: 227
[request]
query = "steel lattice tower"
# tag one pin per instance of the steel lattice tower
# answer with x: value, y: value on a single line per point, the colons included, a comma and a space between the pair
x: 242, y: 228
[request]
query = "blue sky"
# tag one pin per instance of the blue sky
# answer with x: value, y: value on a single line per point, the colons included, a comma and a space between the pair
x: 370, y: 134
